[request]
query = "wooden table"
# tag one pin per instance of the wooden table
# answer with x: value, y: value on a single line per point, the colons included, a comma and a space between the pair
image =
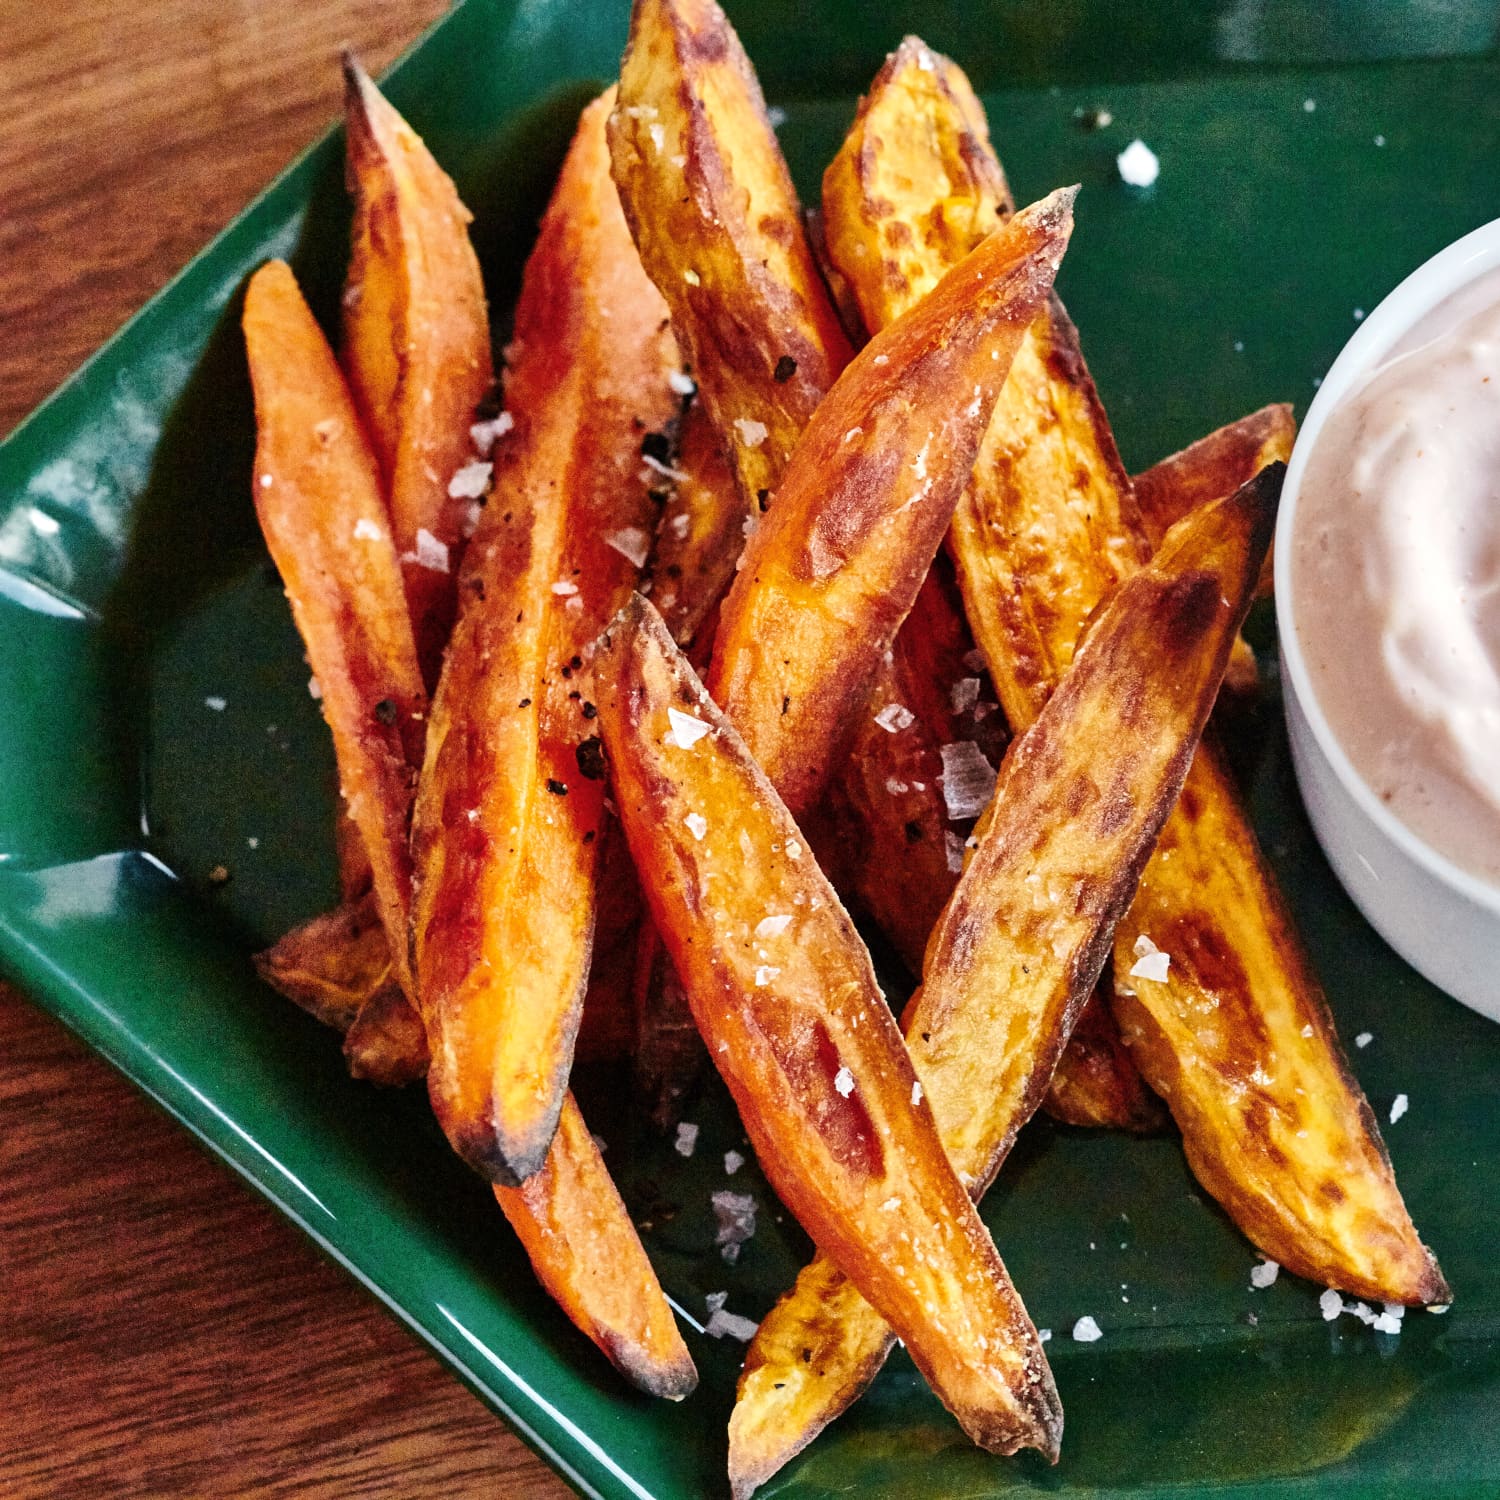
x: 163, y: 1332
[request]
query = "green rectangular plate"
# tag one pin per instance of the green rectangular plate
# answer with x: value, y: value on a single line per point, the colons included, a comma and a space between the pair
x: 1311, y: 155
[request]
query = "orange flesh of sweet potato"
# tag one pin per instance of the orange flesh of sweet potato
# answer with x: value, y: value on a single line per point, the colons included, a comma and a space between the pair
x: 331, y: 965
x: 511, y: 802
x: 587, y: 1254
x: 1214, y: 466
x: 416, y: 346
x: 317, y: 494
x: 1047, y: 529
x: 835, y: 565
x: 794, y: 1020
x: 1019, y: 948
x: 711, y: 203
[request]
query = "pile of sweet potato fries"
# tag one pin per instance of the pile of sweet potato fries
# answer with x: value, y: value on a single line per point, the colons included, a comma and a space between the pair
x: 791, y: 565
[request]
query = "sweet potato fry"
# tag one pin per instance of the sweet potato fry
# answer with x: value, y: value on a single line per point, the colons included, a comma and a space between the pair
x: 712, y: 207
x: 1020, y: 946
x: 331, y: 965
x: 386, y: 1043
x: 587, y: 1254
x: 889, y: 797
x: 1214, y: 466
x: 1047, y: 529
x: 416, y: 346
x: 785, y: 997
x: 835, y: 565
x: 317, y: 493
x: 510, y: 804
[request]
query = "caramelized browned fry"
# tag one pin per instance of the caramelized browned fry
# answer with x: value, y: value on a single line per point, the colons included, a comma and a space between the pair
x: 511, y: 799
x: 1018, y: 949
x: 416, y: 346
x: 1097, y: 1084
x: 713, y: 210
x: 331, y: 965
x: 386, y: 1043
x: 587, y: 1254
x: 1047, y: 529
x: 1214, y: 466
x: 785, y: 997
x: 317, y: 494
x: 888, y: 800
x: 835, y: 565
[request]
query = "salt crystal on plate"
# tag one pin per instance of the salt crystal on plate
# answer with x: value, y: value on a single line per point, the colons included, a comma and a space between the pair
x: 687, y: 1138
x: 773, y: 927
x: 733, y: 1161
x: 471, y: 481
x: 314, y: 688
x: 895, y: 717
x: 735, y: 1213
x: 953, y: 848
x: 1330, y: 1304
x: 631, y: 542
x: 733, y: 1324
x: 686, y: 730
x: 843, y: 1081
x: 1385, y: 1323
x: 1043, y: 1335
x: 968, y: 780
x: 713, y: 1301
x: 1086, y: 1331
x: 1364, y: 1039
x: 1137, y: 164
x: 1398, y: 1107
x: 697, y: 825
x: 1264, y: 1275
x: 752, y: 433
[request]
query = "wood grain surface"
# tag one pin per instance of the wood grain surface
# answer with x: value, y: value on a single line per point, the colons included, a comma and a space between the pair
x: 163, y: 1332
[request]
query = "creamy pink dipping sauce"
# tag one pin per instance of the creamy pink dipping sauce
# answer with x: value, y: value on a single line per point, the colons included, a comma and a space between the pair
x: 1396, y: 577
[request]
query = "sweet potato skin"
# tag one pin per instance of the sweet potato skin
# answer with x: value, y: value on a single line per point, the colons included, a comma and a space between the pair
x: 712, y: 207
x: 835, y: 565
x: 797, y: 1025
x: 1019, y: 948
x: 511, y: 802
x: 332, y: 964
x: 317, y: 495
x: 386, y: 1043
x: 1273, y: 1122
x: 586, y: 1253
x: 1213, y: 466
x: 416, y: 343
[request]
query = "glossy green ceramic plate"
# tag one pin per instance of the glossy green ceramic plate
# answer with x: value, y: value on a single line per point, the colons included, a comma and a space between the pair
x: 1309, y: 159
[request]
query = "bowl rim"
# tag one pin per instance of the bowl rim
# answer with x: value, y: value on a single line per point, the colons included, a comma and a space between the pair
x: 1436, y: 279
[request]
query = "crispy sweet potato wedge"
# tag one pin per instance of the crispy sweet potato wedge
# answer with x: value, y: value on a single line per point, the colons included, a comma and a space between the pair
x: 587, y: 1254
x: 511, y: 801
x: 1048, y: 528
x: 713, y: 210
x: 1214, y: 466
x: 317, y: 494
x: 783, y: 992
x: 1020, y: 946
x: 416, y: 345
x: 1239, y: 1042
x: 836, y: 563
x: 333, y: 964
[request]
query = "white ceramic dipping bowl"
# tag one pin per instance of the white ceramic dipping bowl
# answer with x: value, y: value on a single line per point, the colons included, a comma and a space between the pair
x: 1442, y: 920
